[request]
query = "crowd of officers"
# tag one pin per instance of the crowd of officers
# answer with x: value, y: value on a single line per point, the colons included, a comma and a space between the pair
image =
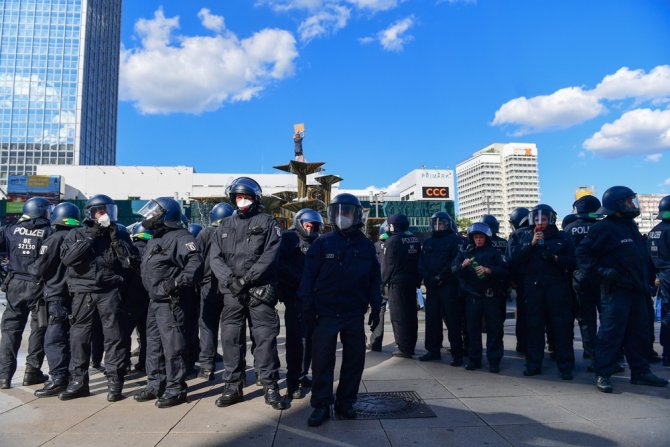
x: 83, y: 282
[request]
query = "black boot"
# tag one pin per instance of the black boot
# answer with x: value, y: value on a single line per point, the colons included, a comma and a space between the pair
x: 145, y: 395
x: 345, y: 411
x: 232, y: 394
x: 319, y: 416
x: 604, y: 384
x: 5, y: 384
x: 274, y: 398
x: 52, y: 387
x: 114, y: 387
x: 648, y: 379
x: 33, y: 376
x: 78, y: 387
x: 170, y: 401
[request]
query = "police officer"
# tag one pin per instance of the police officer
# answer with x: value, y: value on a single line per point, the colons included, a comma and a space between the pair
x: 294, y: 245
x: 586, y: 288
x: 518, y: 220
x: 23, y: 241
x: 615, y: 250
x: 659, y: 247
x: 95, y: 257
x: 400, y: 277
x: 545, y: 255
x: 191, y: 306
x: 377, y: 335
x: 443, y: 302
x: 171, y: 263
x: 50, y: 271
x: 497, y: 242
x: 481, y: 271
x: 341, y: 279
x: 211, y: 300
x: 139, y: 298
x: 243, y: 257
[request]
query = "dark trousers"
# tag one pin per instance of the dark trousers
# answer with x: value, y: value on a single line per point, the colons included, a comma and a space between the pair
x: 211, y: 305
x: 264, y: 325
x: 402, y: 299
x: 190, y: 303
x: 85, y: 307
x: 166, y: 349
x: 97, y: 340
x: 57, y: 344
x: 588, y: 298
x: 298, y: 343
x: 549, y: 306
x: 377, y: 336
x: 490, y: 309
x: 134, y: 311
x: 456, y: 324
x: 520, y: 327
x: 624, y: 321
x: 324, y: 346
x: 665, y: 325
x: 437, y: 305
x: 21, y: 301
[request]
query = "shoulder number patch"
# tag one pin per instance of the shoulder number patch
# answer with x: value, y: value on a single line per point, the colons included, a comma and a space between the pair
x: 191, y: 246
x: 43, y: 249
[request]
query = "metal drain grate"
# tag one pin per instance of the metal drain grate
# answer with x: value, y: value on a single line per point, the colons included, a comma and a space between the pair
x: 392, y: 405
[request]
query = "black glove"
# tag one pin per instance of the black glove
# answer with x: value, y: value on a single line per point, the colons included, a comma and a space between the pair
x: 58, y: 313
x: 93, y: 231
x: 237, y: 286
x: 169, y: 286
x: 373, y: 320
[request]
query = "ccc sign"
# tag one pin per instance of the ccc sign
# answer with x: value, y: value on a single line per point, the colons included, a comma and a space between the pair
x: 435, y: 192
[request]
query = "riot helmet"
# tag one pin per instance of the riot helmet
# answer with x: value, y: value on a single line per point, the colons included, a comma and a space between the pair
x: 101, y: 209
x: 586, y: 207
x: 441, y: 221
x: 398, y: 223
x: 66, y: 215
x: 492, y: 222
x: 308, y: 216
x: 567, y: 220
x: 36, y: 207
x: 162, y: 211
x: 194, y: 229
x: 664, y: 208
x: 542, y: 216
x: 345, y: 211
x: 220, y: 211
x: 244, y: 186
x: 518, y: 218
x: 140, y: 232
x: 479, y: 228
x: 620, y: 199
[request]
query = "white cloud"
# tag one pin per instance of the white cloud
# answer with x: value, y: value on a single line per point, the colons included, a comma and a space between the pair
x: 627, y: 83
x: 395, y: 37
x: 563, y: 108
x: 653, y: 158
x: 326, y: 21
x: 639, y: 131
x: 211, y: 21
x: 171, y: 73
x: 375, y: 5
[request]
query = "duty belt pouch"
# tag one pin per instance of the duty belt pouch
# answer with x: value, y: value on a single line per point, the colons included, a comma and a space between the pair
x: 8, y: 279
x: 42, y: 313
x: 262, y: 295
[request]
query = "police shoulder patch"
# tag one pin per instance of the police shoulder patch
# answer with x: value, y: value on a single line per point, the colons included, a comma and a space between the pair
x: 43, y: 249
x: 278, y: 230
x: 191, y: 246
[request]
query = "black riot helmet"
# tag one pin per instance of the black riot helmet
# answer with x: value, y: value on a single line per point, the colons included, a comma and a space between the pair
x: 66, y: 215
x: 345, y: 211
x: 36, y: 207
x: 306, y: 215
x: 139, y: 232
x: 542, y: 215
x: 162, y: 211
x: 481, y: 228
x: 100, y: 203
x: 620, y: 199
x: 441, y: 221
x: 194, y: 229
x: 664, y: 208
x: 586, y: 207
x: 492, y: 222
x: 220, y: 211
x: 398, y: 223
x: 567, y: 220
x: 246, y: 186
x: 518, y: 218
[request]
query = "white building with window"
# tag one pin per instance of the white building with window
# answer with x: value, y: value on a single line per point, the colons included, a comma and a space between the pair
x: 496, y: 180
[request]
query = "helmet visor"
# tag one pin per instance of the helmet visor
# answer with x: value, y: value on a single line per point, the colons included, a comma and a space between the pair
x: 151, y: 209
x: 438, y: 224
x: 344, y: 215
x: 542, y: 218
x: 96, y: 211
x: 629, y: 205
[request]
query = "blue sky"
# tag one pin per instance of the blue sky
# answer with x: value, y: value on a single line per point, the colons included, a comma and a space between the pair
x: 386, y: 86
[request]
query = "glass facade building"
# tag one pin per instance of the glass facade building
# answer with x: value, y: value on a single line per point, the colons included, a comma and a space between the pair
x: 59, y: 69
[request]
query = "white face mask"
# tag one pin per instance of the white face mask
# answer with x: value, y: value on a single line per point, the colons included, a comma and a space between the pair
x: 104, y: 220
x: 244, y: 203
x: 344, y: 222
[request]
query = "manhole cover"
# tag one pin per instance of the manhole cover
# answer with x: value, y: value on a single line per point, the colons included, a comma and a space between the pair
x: 392, y: 405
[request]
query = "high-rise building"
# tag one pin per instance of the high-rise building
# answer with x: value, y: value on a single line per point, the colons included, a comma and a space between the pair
x: 59, y: 70
x: 497, y: 179
x: 648, y: 211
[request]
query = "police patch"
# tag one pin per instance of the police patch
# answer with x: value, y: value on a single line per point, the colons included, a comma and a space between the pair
x: 278, y: 230
x: 43, y: 249
x: 191, y: 246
